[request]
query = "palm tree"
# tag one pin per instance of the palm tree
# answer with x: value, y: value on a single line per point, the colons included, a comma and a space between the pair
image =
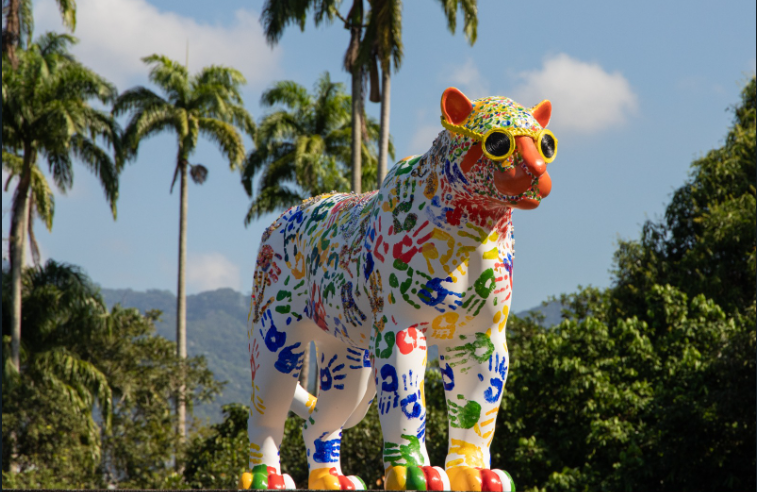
x: 208, y: 102
x: 46, y: 112
x: 277, y: 14
x: 304, y: 149
x: 383, y: 42
x: 19, y: 23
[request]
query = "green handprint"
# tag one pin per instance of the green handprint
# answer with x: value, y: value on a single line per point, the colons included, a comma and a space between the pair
x: 410, y: 453
x: 480, y: 350
x: 463, y: 417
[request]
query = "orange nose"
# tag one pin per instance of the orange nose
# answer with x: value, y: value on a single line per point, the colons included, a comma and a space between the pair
x: 531, y: 156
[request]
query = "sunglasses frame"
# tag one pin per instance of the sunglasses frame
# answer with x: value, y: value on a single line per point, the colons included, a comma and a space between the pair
x: 511, y: 134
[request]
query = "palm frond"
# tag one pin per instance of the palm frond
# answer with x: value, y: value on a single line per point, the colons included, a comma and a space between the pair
x: 227, y: 138
x: 147, y: 122
x: 100, y: 163
x: 470, y: 17
x: 270, y: 200
x: 55, y: 44
x: 277, y: 14
x: 44, y: 200
x: 288, y: 93
x: 137, y: 98
x: 68, y: 13
x: 171, y: 76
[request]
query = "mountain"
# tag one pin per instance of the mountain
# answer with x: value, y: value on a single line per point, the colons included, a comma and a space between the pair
x: 217, y: 329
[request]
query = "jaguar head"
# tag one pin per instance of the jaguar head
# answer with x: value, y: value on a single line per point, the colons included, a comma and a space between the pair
x: 500, y: 148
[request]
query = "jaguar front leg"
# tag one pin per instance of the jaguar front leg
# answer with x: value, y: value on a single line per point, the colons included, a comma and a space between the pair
x: 474, y: 375
x: 399, y: 365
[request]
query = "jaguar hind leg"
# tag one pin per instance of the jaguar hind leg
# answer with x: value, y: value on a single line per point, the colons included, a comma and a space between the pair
x: 344, y: 380
x: 276, y: 355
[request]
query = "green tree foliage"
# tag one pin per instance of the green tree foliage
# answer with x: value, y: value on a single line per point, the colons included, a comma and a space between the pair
x: 91, y: 405
x: 661, y: 403
x: 304, y: 148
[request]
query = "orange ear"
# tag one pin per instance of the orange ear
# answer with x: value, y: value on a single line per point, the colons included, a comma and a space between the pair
x: 542, y: 112
x: 455, y: 106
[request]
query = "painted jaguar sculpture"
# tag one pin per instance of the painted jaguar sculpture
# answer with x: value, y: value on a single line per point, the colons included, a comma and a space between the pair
x: 374, y: 279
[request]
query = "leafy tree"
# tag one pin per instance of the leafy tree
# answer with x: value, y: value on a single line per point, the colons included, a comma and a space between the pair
x: 207, y: 103
x: 19, y: 24
x: 302, y: 150
x: 664, y: 403
x: 46, y: 112
x: 91, y: 407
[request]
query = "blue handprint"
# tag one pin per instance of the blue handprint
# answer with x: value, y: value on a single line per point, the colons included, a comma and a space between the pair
x: 289, y: 360
x: 331, y: 374
x: 498, y: 366
x: 359, y: 358
x: 327, y: 451
x: 389, y: 386
x: 411, y: 404
x: 448, y: 377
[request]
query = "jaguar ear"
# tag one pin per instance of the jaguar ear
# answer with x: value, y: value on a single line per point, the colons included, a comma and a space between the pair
x: 455, y: 106
x: 542, y: 112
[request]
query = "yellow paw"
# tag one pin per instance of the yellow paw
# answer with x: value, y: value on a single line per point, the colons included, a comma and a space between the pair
x: 416, y: 478
x: 264, y: 477
x: 480, y: 479
x: 329, y: 479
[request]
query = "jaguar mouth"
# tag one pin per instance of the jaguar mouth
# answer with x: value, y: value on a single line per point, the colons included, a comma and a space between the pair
x: 521, y: 188
x: 528, y: 181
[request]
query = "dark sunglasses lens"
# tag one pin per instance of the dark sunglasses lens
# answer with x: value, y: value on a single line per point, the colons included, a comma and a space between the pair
x: 497, y: 144
x: 547, y: 146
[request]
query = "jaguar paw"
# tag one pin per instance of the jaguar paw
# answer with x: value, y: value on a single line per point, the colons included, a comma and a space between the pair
x: 330, y: 479
x: 264, y: 477
x: 416, y: 478
x: 480, y: 479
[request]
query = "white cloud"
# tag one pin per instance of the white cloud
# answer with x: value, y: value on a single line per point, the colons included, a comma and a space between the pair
x: 115, y: 34
x: 468, y: 79
x: 210, y: 271
x: 585, y: 97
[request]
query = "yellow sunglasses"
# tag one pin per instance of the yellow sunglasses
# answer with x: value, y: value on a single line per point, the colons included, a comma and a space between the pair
x: 499, y: 143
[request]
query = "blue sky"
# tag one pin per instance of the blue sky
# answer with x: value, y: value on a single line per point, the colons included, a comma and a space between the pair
x: 639, y: 90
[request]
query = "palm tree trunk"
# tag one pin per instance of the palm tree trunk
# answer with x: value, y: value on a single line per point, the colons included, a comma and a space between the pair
x: 356, y: 29
x: 12, y: 32
x: 357, y: 128
x: 17, y: 248
x: 383, y: 168
x: 181, y: 301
